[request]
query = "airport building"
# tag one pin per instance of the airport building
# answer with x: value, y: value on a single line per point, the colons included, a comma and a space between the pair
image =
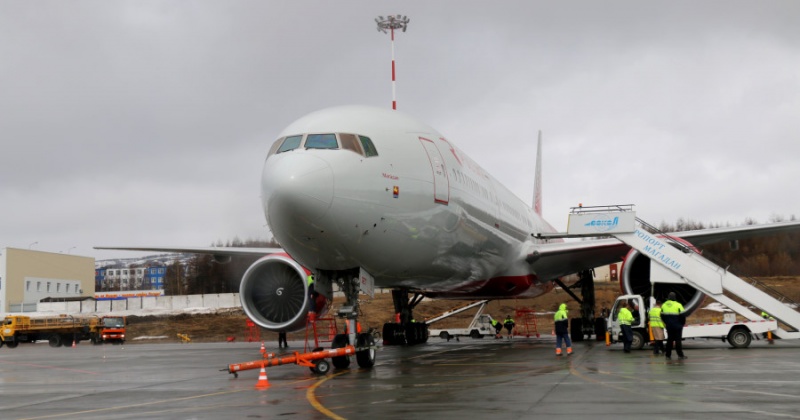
x: 28, y: 276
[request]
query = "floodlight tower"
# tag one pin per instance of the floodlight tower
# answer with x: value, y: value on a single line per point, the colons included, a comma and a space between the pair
x: 391, y: 23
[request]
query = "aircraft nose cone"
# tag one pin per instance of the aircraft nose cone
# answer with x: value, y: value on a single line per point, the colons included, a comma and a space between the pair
x: 297, y: 190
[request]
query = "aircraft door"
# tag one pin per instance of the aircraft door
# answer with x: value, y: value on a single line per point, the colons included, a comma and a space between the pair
x: 441, y: 185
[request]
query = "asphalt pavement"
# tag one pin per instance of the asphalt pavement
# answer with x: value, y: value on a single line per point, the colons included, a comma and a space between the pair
x: 473, y: 378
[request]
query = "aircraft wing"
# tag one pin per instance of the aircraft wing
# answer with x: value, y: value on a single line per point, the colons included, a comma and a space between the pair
x: 563, y: 258
x: 213, y: 250
x: 708, y: 236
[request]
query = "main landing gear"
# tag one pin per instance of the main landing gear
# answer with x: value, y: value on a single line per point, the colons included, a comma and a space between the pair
x: 405, y: 330
x: 587, y: 325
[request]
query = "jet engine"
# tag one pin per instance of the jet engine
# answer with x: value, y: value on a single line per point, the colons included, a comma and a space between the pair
x: 274, y: 294
x: 635, y: 280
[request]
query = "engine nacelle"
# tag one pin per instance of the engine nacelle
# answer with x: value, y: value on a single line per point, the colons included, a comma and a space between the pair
x: 635, y: 280
x: 274, y: 294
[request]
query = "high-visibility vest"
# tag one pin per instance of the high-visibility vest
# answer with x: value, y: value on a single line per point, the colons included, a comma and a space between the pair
x: 655, y: 318
x: 310, y: 279
x: 625, y: 317
x: 671, y: 307
x: 560, y: 315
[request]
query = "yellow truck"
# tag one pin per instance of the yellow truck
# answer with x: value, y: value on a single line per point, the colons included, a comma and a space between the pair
x: 57, y: 330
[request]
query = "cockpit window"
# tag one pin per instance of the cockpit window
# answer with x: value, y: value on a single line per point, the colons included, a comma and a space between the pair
x: 350, y: 142
x: 290, y: 143
x: 275, y: 146
x: 321, y: 141
x: 369, y: 148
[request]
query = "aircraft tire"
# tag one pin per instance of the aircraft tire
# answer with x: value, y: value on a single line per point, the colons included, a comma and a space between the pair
x: 411, y: 334
x: 390, y: 334
x: 366, y: 357
x: 340, y: 362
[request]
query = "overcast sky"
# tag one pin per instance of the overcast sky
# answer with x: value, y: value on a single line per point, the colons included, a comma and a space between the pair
x: 147, y: 122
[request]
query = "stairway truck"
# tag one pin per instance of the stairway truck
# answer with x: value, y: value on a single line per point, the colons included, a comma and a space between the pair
x: 738, y: 334
x: 57, y: 330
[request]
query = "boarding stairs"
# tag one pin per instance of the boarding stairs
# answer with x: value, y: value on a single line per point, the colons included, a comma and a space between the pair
x: 675, y: 261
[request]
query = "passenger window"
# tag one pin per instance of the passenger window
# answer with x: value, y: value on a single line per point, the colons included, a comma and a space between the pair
x: 290, y: 143
x: 369, y: 148
x: 321, y: 141
x: 349, y: 142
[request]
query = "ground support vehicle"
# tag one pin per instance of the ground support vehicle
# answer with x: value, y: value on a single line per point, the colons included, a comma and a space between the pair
x: 480, y: 326
x: 57, y: 330
x: 111, y: 330
x: 339, y: 355
x: 674, y: 261
x: 737, y: 333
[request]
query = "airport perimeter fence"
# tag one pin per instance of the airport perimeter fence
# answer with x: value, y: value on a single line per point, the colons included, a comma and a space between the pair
x: 144, y: 304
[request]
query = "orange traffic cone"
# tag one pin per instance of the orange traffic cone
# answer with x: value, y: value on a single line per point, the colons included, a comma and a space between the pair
x: 263, y: 382
x: 74, y: 344
x: 263, y: 350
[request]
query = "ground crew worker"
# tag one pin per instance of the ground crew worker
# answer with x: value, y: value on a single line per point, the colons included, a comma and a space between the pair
x: 673, y: 317
x: 497, y: 328
x: 657, y: 327
x: 310, y: 280
x: 282, y: 343
x: 625, y: 318
x: 560, y: 319
x: 767, y: 317
x: 509, y: 324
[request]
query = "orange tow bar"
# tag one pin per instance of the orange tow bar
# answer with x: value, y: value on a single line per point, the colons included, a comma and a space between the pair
x: 314, y: 360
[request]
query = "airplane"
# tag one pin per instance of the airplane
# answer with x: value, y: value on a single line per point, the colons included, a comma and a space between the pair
x: 365, y: 197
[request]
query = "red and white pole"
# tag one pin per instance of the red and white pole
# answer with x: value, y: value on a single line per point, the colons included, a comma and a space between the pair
x: 391, y: 23
x: 394, y: 89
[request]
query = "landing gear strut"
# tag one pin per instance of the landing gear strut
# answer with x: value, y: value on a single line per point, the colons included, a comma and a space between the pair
x: 587, y: 325
x: 405, y: 330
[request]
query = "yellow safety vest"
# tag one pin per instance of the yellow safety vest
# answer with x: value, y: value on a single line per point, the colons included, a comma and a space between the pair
x: 625, y: 316
x: 671, y: 307
x: 655, y: 318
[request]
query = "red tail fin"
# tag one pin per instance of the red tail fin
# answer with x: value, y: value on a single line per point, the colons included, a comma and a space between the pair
x: 537, y: 181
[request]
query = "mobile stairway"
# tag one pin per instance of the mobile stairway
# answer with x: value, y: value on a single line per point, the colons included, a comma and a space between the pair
x: 675, y: 261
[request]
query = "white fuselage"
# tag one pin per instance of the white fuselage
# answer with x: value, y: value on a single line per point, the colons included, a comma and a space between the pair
x: 421, y: 214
